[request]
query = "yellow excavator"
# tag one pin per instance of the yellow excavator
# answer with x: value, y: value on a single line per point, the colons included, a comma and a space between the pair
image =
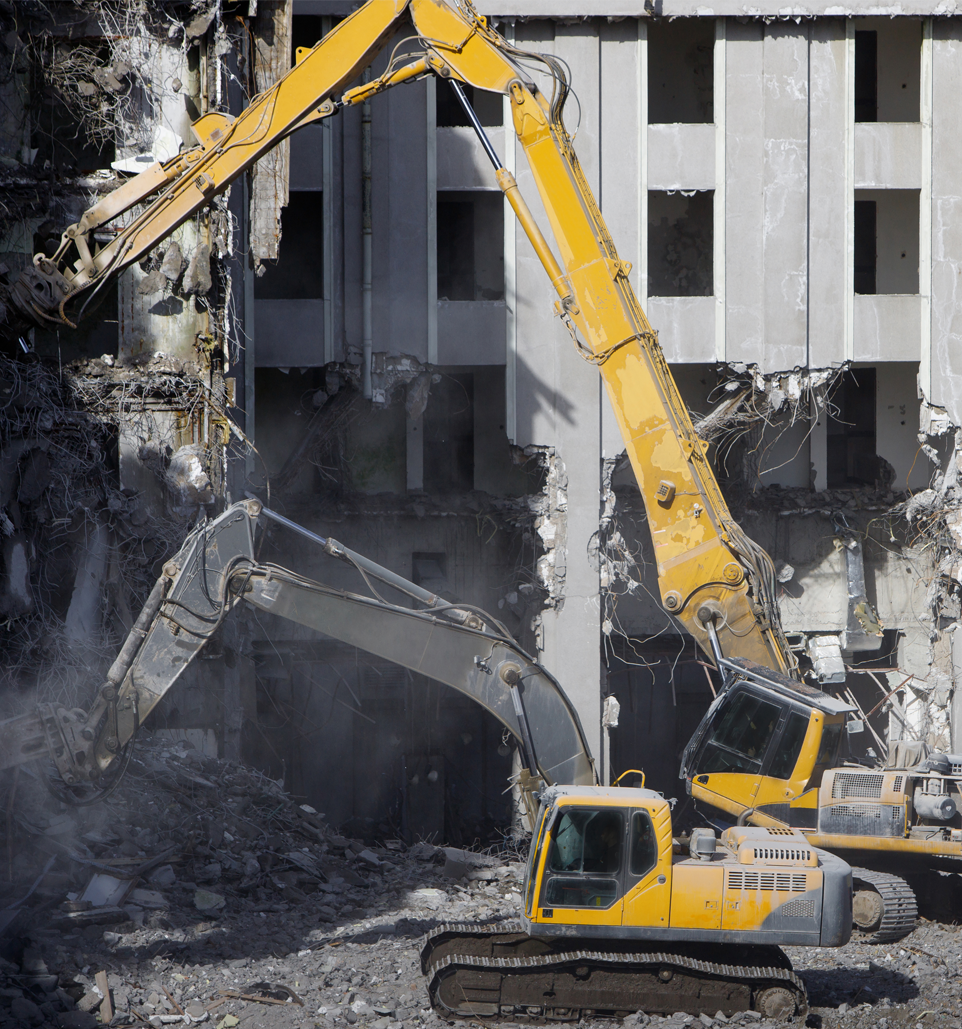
x: 619, y: 915
x: 712, y: 578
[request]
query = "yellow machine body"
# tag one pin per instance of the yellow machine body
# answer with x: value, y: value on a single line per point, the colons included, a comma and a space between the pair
x: 604, y: 863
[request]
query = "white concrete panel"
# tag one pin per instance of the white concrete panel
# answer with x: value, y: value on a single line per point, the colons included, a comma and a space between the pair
x: 887, y: 327
x: 681, y: 156
x: 888, y: 155
x: 462, y: 162
x: 289, y: 333
x: 471, y: 332
x: 685, y: 327
x: 827, y: 205
x: 946, y: 346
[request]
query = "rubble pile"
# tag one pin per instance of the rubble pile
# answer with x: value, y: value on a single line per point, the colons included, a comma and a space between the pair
x: 200, y: 891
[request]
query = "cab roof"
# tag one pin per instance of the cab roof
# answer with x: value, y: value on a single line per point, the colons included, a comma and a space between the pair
x: 614, y: 794
x: 759, y: 675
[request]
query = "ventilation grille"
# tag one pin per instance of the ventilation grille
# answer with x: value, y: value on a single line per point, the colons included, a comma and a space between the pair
x: 898, y: 783
x: 793, y: 854
x: 798, y: 909
x: 867, y: 811
x: 780, y: 832
x: 790, y: 882
x: 956, y: 767
x: 857, y: 784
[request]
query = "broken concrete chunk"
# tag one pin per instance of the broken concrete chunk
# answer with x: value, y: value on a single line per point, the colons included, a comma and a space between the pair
x: 150, y: 899
x: 173, y: 263
x: 208, y: 902
x: 369, y: 858
x: 187, y: 477
x: 197, y: 278
x: 152, y: 283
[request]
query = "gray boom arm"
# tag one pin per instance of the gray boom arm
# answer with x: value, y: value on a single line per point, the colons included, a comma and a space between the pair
x: 215, y: 569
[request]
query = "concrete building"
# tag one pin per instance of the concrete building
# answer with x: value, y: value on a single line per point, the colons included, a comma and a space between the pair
x: 785, y: 183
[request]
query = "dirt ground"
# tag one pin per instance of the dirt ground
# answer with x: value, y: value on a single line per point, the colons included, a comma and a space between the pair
x: 242, y: 893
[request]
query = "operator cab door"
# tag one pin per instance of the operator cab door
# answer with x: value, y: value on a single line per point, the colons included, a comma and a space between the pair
x: 648, y: 869
x: 583, y: 882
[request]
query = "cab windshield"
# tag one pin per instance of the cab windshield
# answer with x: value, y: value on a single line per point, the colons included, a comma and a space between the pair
x: 738, y: 740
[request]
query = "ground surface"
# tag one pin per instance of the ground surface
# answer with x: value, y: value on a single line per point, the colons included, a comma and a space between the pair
x: 308, y: 912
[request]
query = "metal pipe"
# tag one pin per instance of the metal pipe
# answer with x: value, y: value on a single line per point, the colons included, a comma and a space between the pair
x: 367, y: 282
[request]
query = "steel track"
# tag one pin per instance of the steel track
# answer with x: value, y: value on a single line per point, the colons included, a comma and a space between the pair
x: 899, y: 906
x: 578, y: 978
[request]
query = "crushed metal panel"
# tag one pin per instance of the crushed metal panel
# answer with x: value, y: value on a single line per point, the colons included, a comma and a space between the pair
x: 271, y: 174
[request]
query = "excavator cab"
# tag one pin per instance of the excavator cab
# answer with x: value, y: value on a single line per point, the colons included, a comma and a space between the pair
x: 763, y: 745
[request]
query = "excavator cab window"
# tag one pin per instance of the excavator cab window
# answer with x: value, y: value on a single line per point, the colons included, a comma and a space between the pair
x: 789, y: 746
x: 587, y: 848
x: 644, y: 846
x: 740, y: 739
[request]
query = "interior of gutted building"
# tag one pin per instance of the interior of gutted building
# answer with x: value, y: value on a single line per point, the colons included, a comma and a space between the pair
x: 356, y: 333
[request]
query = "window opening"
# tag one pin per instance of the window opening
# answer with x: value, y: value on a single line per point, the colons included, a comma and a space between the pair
x: 851, y: 431
x: 866, y: 76
x: 681, y: 57
x: 866, y: 241
x: 470, y: 246
x: 888, y: 70
x: 298, y: 272
x: 680, y: 244
x: 886, y: 241
x: 489, y: 107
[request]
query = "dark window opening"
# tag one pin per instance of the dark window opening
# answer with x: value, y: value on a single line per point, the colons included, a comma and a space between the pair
x: 866, y: 76
x: 681, y: 58
x: 851, y: 433
x: 680, y: 244
x: 489, y: 107
x: 888, y: 70
x: 886, y: 243
x: 866, y: 241
x: 449, y: 435
x: 298, y: 273
x: 305, y: 32
x: 470, y: 246
x: 429, y: 571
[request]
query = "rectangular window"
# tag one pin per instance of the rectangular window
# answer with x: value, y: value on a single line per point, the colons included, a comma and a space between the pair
x: 470, y: 245
x: 681, y: 59
x: 298, y: 273
x: 489, y: 107
x: 888, y: 69
x: 866, y: 76
x: 886, y: 241
x: 680, y: 243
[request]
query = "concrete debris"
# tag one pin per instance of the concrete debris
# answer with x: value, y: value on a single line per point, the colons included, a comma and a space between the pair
x: 187, y: 479
x: 197, y: 277
x: 152, y: 282
x: 173, y: 263
x: 290, y: 948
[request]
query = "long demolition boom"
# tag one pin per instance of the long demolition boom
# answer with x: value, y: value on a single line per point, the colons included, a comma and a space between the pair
x: 716, y: 581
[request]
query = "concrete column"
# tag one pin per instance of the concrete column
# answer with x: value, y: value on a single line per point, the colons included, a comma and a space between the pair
x: 941, y: 372
x: 767, y: 155
x: 558, y: 405
x: 720, y: 234
x: 830, y: 195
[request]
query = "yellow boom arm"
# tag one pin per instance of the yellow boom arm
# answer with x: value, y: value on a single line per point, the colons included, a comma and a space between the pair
x: 712, y: 577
